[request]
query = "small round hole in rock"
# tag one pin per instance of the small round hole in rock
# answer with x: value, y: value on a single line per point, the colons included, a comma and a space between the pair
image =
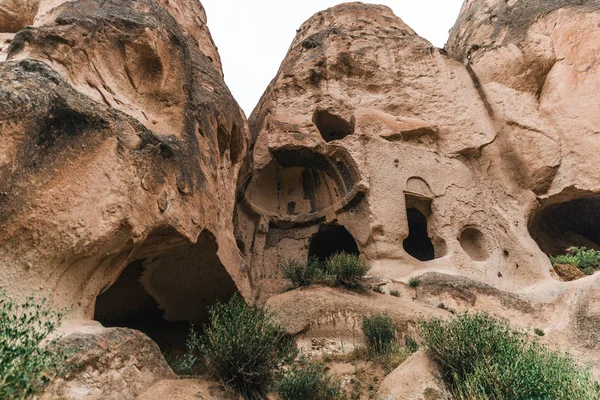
x: 474, y: 244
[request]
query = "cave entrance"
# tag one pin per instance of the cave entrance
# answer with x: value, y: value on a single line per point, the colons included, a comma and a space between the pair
x: 418, y: 243
x: 170, y: 287
x: 331, y: 239
x: 558, y: 225
x: 331, y: 126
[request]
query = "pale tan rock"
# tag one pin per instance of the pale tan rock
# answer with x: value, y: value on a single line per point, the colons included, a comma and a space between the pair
x: 418, y: 378
x: 119, y: 142
x: 108, y: 364
x: 368, y: 129
x: 187, y: 389
x: 328, y: 321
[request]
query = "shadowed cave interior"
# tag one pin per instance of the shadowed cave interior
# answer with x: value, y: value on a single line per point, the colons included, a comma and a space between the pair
x: 575, y: 222
x: 331, y: 239
x: 162, y: 294
x: 418, y: 243
x: 331, y: 126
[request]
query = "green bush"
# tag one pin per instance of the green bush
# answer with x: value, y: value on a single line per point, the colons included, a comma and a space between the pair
x: 186, y: 365
x: 380, y: 331
x: 309, y: 382
x: 481, y: 357
x: 339, y: 269
x: 395, y: 292
x: 302, y: 273
x: 243, y: 347
x: 565, y: 259
x: 414, y: 282
x: 587, y: 260
x: 26, y: 365
x: 348, y: 269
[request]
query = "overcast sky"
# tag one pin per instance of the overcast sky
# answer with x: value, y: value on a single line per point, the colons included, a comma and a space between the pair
x: 253, y: 36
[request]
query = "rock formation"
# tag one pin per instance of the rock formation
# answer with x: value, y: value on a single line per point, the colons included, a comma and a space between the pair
x: 133, y: 191
x: 474, y: 162
x: 370, y: 134
x: 120, y: 145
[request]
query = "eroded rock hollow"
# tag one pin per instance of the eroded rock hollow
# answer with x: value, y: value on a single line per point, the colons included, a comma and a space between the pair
x: 120, y: 152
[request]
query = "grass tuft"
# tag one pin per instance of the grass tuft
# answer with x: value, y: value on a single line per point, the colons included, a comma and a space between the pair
x: 308, y: 382
x: 482, y: 357
x: 243, y: 347
x: 414, y: 282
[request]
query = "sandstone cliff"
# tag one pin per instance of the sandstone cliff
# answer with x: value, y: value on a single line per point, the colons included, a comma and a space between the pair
x: 120, y: 142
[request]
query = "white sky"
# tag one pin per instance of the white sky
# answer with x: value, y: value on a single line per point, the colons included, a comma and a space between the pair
x: 253, y: 36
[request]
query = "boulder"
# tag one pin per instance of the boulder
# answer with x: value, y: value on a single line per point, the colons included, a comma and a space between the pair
x: 108, y: 364
x: 418, y: 378
x: 568, y: 272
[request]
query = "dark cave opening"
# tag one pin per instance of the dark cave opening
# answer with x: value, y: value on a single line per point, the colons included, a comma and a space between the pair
x: 127, y: 304
x: 560, y: 225
x: 171, y: 287
x: 331, y: 126
x: 418, y: 243
x: 331, y: 239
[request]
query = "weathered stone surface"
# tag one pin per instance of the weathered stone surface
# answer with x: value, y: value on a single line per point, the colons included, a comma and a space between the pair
x: 187, y: 389
x: 119, y: 141
x: 417, y: 378
x: 111, y: 364
x: 568, y: 272
x: 368, y: 126
x: 328, y: 320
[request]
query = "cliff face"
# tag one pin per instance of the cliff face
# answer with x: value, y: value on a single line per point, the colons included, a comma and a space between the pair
x: 477, y: 161
x: 119, y: 142
x: 536, y: 63
x: 368, y: 129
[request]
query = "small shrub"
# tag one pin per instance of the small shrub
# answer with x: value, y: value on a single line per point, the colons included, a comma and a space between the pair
x: 243, y: 347
x: 414, y: 282
x: 186, y: 365
x: 587, y: 260
x: 539, y: 332
x: 411, y: 344
x: 26, y: 365
x: 395, y: 292
x: 302, y: 273
x: 378, y: 289
x: 309, y: 382
x: 380, y: 331
x: 565, y: 259
x: 348, y: 269
x: 481, y: 357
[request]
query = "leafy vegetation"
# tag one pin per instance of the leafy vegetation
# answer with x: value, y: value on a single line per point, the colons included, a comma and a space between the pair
x: 186, y: 365
x: 380, y: 331
x: 308, y: 382
x: 378, y: 289
x: 303, y: 273
x: 539, y: 332
x: 243, y: 347
x: 340, y: 269
x: 414, y: 282
x: 587, y: 260
x: 481, y: 357
x: 395, y: 292
x: 27, y: 365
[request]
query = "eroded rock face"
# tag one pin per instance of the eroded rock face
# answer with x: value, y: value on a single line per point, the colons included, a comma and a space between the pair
x: 120, y: 147
x: 114, y: 363
x: 369, y: 128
